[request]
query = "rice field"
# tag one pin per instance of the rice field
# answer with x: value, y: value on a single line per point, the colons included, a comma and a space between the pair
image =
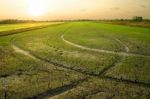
x: 74, y: 60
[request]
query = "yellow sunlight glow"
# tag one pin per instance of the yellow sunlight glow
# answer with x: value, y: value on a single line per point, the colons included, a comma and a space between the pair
x: 36, y: 7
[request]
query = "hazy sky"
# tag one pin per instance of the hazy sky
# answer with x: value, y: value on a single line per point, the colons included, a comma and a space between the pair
x: 73, y: 9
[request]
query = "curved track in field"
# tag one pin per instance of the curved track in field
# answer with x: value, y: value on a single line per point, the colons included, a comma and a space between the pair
x: 17, y: 49
x: 73, y: 85
x: 104, y: 51
x: 68, y: 87
x: 80, y: 71
x: 54, y: 92
x: 127, y: 49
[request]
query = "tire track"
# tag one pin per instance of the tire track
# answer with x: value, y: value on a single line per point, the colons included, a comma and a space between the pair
x: 125, y: 46
x: 103, y: 51
x: 147, y: 85
x: 16, y: 49
x: 115, y: 63
x: 22, y: 51
x: 87, y: 73
x: 53, y: 92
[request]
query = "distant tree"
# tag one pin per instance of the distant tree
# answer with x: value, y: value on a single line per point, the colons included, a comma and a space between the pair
x: 121, y: 19
x: 138, y: 18
x: 12, y: 21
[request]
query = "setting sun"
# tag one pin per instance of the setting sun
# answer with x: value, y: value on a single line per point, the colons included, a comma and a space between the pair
x: 36, y: 8
x: 73, y: 9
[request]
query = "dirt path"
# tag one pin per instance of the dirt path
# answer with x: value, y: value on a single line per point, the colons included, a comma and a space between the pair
x: 103, y: 51
x: 125, y: 46
x: 19, y: 50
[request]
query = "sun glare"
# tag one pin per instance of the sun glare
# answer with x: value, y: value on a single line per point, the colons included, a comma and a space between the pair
x: 36, y: 7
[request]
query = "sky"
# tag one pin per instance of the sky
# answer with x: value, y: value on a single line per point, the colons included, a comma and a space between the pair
x: 73, y: 9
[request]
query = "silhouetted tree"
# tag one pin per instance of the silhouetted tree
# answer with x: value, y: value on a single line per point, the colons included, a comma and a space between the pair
x: 137, y: 18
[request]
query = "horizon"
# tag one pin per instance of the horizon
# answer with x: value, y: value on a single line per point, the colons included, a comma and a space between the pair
x: 73, y: 9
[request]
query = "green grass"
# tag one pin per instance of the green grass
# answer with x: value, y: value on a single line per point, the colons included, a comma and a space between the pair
x: 59, y: 68
x: 103, y: 89
x: 100, y: 35
x: 132, y: 68
x: 22, y: 76
x: 44, y: 45
x: 8, y: 27
x: 87, y: 34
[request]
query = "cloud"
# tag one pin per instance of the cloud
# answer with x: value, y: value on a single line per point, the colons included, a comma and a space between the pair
x: 115, y: 8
